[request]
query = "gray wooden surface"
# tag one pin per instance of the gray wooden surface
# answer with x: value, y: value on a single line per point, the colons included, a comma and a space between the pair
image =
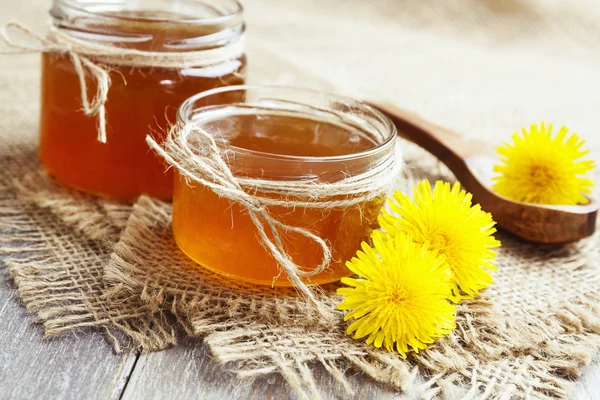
x: 74, y: 366
x: 83, y: 366
x: 186, y: 371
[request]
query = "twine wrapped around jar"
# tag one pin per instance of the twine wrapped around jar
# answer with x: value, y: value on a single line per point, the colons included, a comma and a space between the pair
x: 197, y: 157
x: 89, y: 56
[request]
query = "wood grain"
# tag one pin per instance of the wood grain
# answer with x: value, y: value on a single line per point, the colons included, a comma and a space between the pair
x: 186, y: 372
x: 588, y: 388
x: 73, y: 366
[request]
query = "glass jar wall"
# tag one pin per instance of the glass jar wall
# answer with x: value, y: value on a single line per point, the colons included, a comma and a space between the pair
x: 140, y: 100
x: 281, y: 134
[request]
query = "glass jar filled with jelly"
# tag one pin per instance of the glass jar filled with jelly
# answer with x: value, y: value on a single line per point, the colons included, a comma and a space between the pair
x: 141, y: 98
x: 275, y: 135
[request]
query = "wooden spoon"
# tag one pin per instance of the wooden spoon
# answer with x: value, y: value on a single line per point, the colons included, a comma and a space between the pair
x: 472, y: 163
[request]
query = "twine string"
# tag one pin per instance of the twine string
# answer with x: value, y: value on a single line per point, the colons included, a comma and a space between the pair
x: 82, y: 52
x: 97, y: 105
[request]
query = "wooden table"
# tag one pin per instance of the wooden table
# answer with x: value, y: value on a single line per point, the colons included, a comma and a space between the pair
x: 82, y: 365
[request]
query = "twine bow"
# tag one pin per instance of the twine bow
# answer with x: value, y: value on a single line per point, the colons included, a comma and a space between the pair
x: 81, y: 52
x: 93, y: 107
x: 211, y: 170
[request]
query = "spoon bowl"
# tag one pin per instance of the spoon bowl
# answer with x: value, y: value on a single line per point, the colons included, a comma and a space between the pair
x: 472, y: 161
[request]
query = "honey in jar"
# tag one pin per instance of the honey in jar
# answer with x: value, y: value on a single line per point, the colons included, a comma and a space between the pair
x: 141, y: 99
x: 280, y: 134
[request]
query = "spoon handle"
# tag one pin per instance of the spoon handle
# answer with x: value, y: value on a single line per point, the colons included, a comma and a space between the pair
x: 448, y: 146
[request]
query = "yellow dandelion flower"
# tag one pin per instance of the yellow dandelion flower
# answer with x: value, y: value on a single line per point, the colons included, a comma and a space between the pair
x: 445, y: 221
x: 538, y: 168
x: 401, y: 299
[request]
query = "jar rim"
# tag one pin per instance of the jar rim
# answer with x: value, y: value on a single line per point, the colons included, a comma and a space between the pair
x: 77, y: 6
x: 187, y: 110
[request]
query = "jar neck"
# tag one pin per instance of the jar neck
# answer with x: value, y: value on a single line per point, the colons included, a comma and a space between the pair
x: 218, y: 112
x: 152, y: 25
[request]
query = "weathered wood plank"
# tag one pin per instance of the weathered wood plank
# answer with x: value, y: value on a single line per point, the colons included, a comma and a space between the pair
x: 73, y: 366
x: 186, y: 372
x: 588, y: 388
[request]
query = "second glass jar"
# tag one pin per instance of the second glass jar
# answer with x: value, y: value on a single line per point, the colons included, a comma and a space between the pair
x: 141, y: 100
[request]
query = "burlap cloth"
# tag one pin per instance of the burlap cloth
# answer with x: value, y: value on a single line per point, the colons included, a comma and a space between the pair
x: 476, y: 66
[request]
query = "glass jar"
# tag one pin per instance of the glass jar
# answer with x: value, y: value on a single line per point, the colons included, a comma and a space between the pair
x: 281, y: 134
x: 140, y: 99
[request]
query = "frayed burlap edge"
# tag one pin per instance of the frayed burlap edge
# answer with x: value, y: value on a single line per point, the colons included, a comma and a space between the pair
x: 57, y: 271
